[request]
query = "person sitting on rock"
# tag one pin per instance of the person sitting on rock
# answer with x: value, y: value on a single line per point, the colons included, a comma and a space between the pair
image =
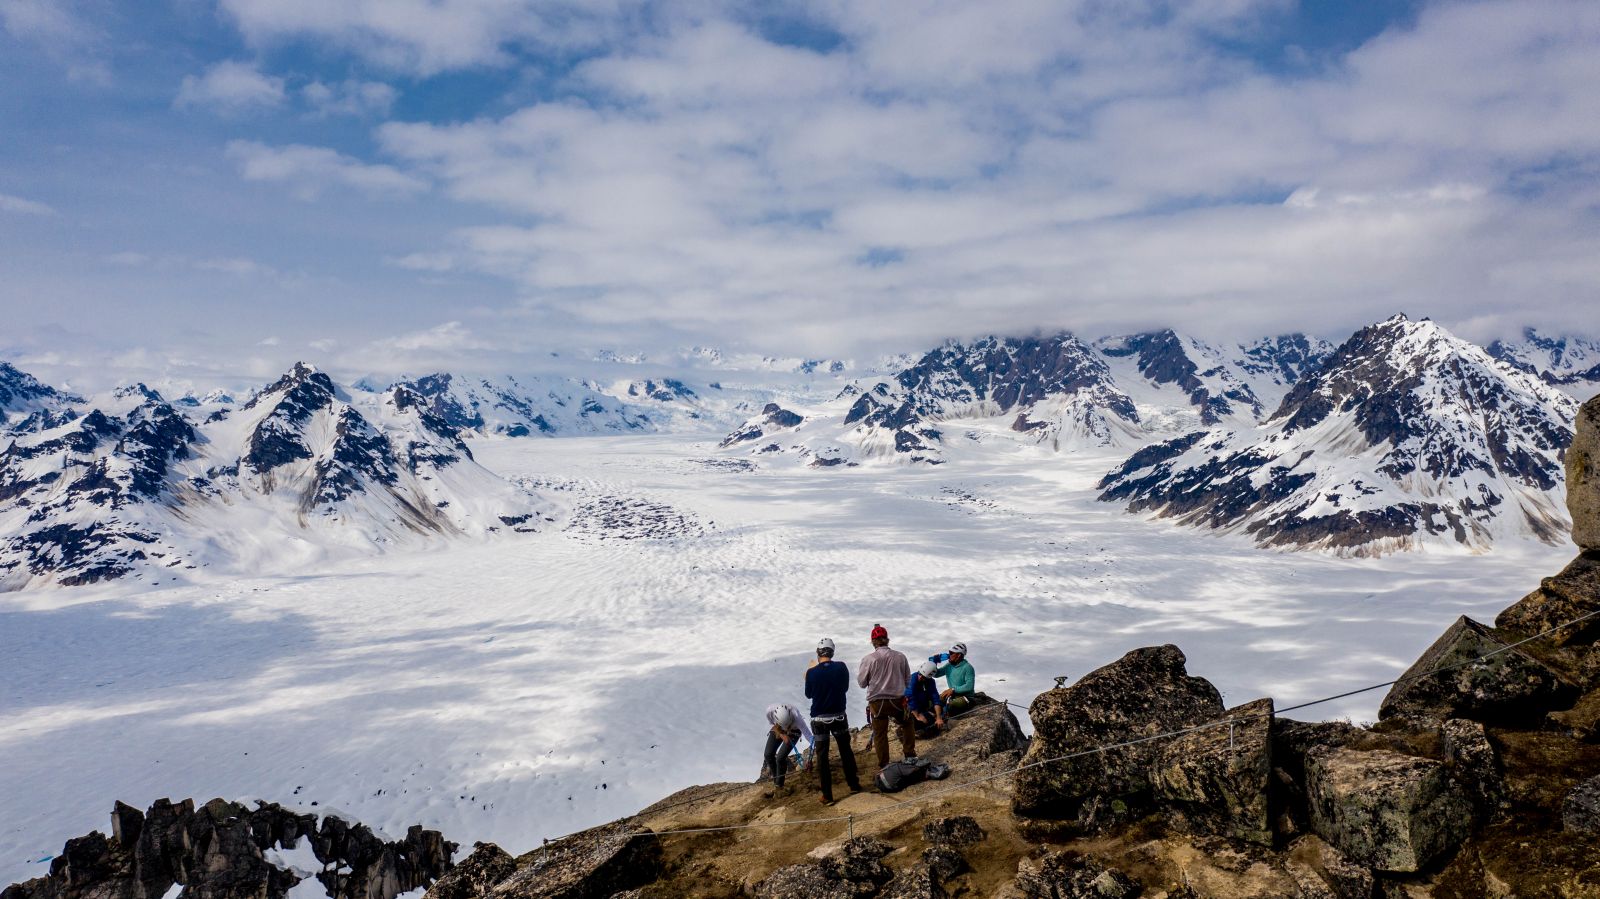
x: 924, y: 703
x: 883, y: 673
x: 786, y: 727
x: 960, y: 680
x: 827, y: 682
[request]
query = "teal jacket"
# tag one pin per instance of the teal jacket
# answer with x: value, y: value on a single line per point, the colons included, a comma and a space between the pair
x: 960, y: 677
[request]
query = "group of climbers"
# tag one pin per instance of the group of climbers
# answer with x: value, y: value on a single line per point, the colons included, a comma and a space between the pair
x: 895, y: 693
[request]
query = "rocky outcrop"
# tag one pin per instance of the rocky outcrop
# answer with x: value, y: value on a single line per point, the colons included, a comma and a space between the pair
x: 476, y: 875
x: 855, y: 869
x: 590, y: 864
x: 1069, y: 875
x: 1567, y: 596
x: 1385, y: 810
x: 1510, y: 686
x: 1146, y: 692
x: 1583, y: 476
x: 219, y: 851
x: 1471, y: 760
x: 1220, y: 776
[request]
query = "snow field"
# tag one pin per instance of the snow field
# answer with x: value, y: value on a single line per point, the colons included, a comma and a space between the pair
x: 528, y: 686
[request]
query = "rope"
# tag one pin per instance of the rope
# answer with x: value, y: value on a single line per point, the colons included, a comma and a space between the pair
x: 1224, y: 722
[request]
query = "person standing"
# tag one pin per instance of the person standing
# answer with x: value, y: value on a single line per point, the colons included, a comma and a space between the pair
x: 884, y: 674
x: 827, y: 682
x: 785, y: 729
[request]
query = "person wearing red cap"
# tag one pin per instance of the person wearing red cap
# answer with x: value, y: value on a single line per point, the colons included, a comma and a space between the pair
x: 883, y: 674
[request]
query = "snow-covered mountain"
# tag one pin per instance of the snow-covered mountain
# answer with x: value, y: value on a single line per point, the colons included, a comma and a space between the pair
x: 1405, y: 433
x: 133, y: 484
x: 1056, y: 391
x: 1569, y: 362
x: 27, y: 405
x: 526, y: 405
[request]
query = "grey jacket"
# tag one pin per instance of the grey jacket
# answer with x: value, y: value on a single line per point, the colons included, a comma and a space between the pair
x: 883, y: 674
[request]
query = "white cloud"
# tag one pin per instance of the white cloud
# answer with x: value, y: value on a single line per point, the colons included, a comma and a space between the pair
x: 230, y: 86
x: 425, y: 262
x: 23, y: 206
x: 311, y: 170
x: 352, y: 98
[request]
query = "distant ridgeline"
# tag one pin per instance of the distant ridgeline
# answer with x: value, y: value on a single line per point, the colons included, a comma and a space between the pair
x: 1401, y: 436
x: 1481, y: 778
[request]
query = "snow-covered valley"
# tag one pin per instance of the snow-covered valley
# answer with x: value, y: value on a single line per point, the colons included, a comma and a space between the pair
x: 524, y: 687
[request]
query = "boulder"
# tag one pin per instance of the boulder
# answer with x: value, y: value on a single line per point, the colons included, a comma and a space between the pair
x: 1568, y: 595
x: 1472, y: 761
x: 476, y: 875
x: 1510, y: 687
x: 1291, y: 742
x: 1583, y: 476
x: 1385, y: 810
x: 1069, y: 875
x: 957, y: 830
x: 590, y: 864
x: 1580, y: 811
x: 1220, y: 776
x: 162, y: 852
x: 1145, y: 693
x: 855, y: 869
x: 926, y: 879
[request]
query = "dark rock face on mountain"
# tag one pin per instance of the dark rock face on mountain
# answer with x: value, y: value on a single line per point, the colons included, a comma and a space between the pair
x: 995, y: 376
x: 1571, y: 362
x: 522, y: 407
x: 1402, y: 433
x: 27, y: 405
x: 1147, y: 691
x: 1164, y: 359
x: 1286, y: 358
x: 772, y: 418
x: 664, y: 391
x: 219, y: 851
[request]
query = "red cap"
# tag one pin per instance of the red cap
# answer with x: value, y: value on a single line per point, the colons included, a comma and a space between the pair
x: 879, y: 632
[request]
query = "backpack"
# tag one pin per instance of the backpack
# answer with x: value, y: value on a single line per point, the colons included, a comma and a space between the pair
x: 896, y: 776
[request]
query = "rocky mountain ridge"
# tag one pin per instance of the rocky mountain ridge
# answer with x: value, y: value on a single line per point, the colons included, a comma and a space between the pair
x: 1404, y: 432
x: 131, y: 483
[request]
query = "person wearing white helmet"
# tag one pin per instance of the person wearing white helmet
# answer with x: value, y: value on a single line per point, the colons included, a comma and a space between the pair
x: 924, y: 702
x: 827, y: 682
x: 961, y: 682
x: 785, y: 728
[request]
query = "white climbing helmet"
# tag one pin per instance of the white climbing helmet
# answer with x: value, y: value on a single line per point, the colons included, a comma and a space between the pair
x: 959, y: 648
x: 825, y: 646
x: 785, y: 717
x: 926, y: 669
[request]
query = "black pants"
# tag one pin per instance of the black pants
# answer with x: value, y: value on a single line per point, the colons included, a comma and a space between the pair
x: 776, y: 762
x: 830, y: 731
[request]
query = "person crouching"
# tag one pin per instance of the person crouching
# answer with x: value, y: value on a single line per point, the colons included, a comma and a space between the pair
x: 783, y: 735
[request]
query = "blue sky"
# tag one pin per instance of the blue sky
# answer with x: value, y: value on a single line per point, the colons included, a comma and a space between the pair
x: 417, y: 183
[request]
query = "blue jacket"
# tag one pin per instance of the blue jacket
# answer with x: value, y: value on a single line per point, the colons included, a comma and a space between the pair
x: 922, y: 694
x: 826, y: 684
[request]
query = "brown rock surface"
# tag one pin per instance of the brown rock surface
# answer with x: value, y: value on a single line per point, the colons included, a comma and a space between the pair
x: 1384, y: 810
x: 1453, y: 679
x: 590, y: 864
x: 1583, y: 476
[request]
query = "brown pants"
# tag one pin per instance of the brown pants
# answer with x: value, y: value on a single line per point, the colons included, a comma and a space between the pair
x: 883, y: 711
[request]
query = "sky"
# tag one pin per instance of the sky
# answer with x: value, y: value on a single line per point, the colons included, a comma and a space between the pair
x: 408, y: 184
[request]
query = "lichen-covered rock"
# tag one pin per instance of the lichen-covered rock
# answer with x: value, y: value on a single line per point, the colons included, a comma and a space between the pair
x: 1580, y: 811
x: 476, y: 875
x: 590, y: 864
x: 859, y: 860
x: 1322, y: 872
x: 1146, y: 692
x: 1221, y: 775
x: 855, y: 869
x: 1069, y: 875
x: 808, y: 880
x: 957, y: 830
x: 1507, y: 688
x: 1583, y: 476
x: 1471, y: 760
x: 1384, y: 810
x: 1567, y: 596
x: 926, y: 880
